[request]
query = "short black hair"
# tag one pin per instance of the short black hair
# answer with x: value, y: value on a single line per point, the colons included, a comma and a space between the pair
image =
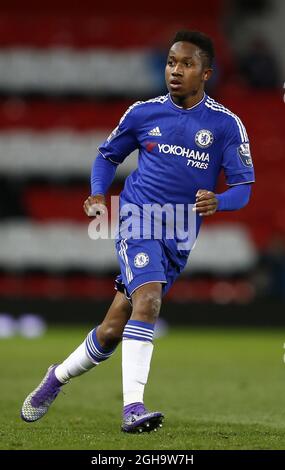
x: 198, y: 39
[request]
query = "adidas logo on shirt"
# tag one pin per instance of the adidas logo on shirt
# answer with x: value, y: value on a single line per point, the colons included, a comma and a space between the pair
x: 155, y: 132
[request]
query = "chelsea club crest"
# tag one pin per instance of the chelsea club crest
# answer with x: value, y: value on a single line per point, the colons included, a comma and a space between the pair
x: 141, y: 260
x: 204, y: 138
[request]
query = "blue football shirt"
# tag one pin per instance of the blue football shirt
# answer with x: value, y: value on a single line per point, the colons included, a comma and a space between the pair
x: 180, y: 151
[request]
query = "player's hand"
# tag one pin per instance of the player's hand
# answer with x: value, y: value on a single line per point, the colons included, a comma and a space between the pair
x: 94, y: 206
x: 206, y: 202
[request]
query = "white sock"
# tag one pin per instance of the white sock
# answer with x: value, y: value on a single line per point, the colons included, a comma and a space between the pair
x: 76, y: 364
x: 136, y: 358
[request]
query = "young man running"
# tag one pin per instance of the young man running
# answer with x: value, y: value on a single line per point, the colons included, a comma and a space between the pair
x: 184, y: 139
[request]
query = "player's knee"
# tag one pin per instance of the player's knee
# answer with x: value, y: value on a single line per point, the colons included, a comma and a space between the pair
x: 147, y: 307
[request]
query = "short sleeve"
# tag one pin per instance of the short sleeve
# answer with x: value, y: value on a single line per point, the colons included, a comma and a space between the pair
x: 237, y: 161
x: 122, y: 141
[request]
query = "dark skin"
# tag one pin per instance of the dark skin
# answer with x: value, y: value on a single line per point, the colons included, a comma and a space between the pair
x: 186, y: 73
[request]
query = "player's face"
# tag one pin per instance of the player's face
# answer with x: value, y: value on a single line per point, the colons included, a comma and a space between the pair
x: 185, y: 72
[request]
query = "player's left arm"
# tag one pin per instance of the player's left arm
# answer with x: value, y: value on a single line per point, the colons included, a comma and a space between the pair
x: 238, y: 168
x: 236, y: 197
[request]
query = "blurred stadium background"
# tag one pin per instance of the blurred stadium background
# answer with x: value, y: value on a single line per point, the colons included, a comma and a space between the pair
x: 68, y: 72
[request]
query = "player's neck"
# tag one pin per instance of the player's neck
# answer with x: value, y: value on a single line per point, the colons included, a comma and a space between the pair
x: 188, y: 101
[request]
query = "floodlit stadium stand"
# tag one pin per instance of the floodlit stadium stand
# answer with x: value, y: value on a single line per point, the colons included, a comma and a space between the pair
x: 66, y: 79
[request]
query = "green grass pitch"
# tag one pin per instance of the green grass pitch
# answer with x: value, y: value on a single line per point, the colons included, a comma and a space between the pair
x: 219, y: 389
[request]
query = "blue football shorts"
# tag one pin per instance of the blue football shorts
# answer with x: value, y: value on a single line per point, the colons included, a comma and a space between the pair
x: 143, y: 261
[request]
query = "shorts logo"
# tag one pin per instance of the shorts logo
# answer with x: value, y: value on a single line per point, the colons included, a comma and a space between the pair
x: 244, y: 154
x: 141, y: 260
x: 204, y: 138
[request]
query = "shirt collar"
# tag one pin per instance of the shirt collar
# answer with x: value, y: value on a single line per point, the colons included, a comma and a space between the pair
x: 186, y: 109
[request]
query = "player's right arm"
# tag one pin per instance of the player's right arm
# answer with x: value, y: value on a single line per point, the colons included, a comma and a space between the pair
x: 94, y: 206
x: 120, y: 143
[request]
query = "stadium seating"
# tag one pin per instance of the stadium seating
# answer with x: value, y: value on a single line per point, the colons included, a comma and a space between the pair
x: 66, y: 80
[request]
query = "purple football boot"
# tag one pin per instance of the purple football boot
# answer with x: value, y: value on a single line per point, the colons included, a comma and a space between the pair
x: 38, y: 402
x: 136, y: 419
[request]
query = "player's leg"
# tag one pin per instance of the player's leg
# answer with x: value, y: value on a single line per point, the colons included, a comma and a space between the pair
x: 137, y: 352
x: 100, y: 343
x: 109, y: 332
x: 98, y: 346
